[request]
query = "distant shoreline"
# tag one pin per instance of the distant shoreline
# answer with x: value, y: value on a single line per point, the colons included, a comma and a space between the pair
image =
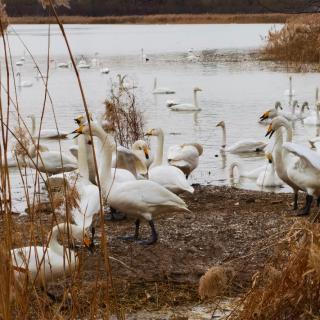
x: 161, y: 19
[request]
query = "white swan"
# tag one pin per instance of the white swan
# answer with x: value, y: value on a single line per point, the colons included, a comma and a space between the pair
x: 169, y: 177
x: 188, y: 106
x: 83, y: 64
x: 144, y: 57
x: 302, y: 114
x: 42, y: 265
x: 272, y: 113
x: 23, y: 84
x: 313, y: 120
x: 63, y: 65
x: 140, y: 198
x: 289, y: 92
x: 282, y: 158
x: 161, y: 90
x: 104, y: 70
x: 125, y: 85
x: 305, y: 172
x: 246, y: 145
x: 46, y: 133
x: 268, y: 177
x: 185, y: 156
x: 265, y: 175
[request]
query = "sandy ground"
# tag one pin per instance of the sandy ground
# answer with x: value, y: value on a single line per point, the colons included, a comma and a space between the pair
x: 227, y: 226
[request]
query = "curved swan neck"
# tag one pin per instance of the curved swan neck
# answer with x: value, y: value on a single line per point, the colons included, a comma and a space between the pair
x: 224, y: 136
x: 82, y: 157
x: 159, y: 154
x: 288, y: 129
x: 106, y: 161
x: 53, y: 242
x: 231, y: 170
x: 195, y: 98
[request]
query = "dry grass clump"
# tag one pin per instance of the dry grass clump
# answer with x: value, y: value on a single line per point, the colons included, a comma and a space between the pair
x: 55, y: 3
x: 122, y: 115
x: 3, y: 18
x: 288, y: 288
x: 21, y: 146
x: 215, y: 282
x: 298, y: 41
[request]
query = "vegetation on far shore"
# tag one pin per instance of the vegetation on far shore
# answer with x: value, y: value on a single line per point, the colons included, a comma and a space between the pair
x: 161, y: 19
x: 297, y: 42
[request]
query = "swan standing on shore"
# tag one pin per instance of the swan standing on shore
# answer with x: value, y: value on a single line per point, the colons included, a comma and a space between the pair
x: 142, y: 199
x: 282, y: 158
x: 45, y: 264
x: 161, y: 90
x: 246, y: 145
x: 305, y: 172
x: 185, y: 156
x: 46, y: 133
x: 187, y: 106
x: 167, y: 176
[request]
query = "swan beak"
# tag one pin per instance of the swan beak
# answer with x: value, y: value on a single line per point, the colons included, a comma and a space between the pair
x: 149, y: 132
x: 269, y: 157
x: 146, y: 152
x: 78, y: 120
x: 265, y: 116
x: 270, y: 132
x: 88, y: 243
x: 77, y: 131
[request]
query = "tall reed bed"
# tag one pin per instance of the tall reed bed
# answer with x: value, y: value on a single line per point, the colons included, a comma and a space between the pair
x: 71, y: 297
x: 297, y: 41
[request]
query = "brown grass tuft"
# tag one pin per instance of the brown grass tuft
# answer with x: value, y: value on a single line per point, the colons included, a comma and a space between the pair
x: 298, y: 41
x: 215, y: 282
x: 3, y: 18
x: 288, y: 287
x: 20, y: 147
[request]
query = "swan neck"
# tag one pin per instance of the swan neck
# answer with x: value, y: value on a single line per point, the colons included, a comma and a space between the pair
x: 224, y: 137
x: 33, y: 128
x: 195, y: 99
x: 159, y: 153
x: 53, y: 243
x: 289, y: 132
x: 155, y: 84
x: 82, y: 156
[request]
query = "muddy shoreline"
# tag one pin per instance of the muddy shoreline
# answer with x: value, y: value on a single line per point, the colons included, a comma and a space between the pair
x: 227, y: 226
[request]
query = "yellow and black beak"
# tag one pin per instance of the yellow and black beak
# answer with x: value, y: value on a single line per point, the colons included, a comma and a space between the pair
x: 78, y: 131
x: 265, y: 116
x: 270, y: 131
x: 78, y: 120
x: 88, y: 243
x: 269, y: 157
x: 149, y: 132
x: 146, y: 152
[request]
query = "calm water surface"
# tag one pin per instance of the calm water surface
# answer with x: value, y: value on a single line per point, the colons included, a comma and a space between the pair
x: 235, y: 89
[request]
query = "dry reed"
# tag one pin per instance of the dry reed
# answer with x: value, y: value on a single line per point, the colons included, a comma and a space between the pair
x: 122, y: 115
x: 288, y: 287
x: 298, y: 41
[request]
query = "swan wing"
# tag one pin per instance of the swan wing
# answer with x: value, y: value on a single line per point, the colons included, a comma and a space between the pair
x: 127, y: 159
x: 247, y: 146
x: 311, y: 157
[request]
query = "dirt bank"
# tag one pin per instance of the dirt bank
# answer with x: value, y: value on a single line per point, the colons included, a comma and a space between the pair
x: 237, y: 228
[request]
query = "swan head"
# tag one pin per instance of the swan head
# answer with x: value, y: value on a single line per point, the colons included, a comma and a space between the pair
x: 196, y: 145
x: 269, y: 114
x: 196, y: 89
x: 295, y: 103
x: 221, y: 124
x: 269, y: 157
x: 83, y: 118
x: 141, y: 145
x: 305, y: 105
x: 154, y: 132
x: 275, y: 124
x: 278, y: 105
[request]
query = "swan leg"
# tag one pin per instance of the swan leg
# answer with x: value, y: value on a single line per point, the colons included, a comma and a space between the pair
x: 154, y: 235
x: 306, y: 209
x: 136, y: 232
x: 295, y: 201
x: 115, y: 216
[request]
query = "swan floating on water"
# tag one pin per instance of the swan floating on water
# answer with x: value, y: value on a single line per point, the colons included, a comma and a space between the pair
x: 161, y: 90
x: 23, y: 83
x: 242, y: 146
x: 188, y: 106
x: 290, y: 92
x: 46, y: 133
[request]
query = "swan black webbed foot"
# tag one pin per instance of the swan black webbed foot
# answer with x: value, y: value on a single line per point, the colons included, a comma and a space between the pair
x: 115, y: 215
x: 135, y: 237
x: 306, y: 210
x: 154, y: 235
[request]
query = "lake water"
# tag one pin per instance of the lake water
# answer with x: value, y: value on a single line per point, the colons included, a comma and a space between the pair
x: 235, y: 89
